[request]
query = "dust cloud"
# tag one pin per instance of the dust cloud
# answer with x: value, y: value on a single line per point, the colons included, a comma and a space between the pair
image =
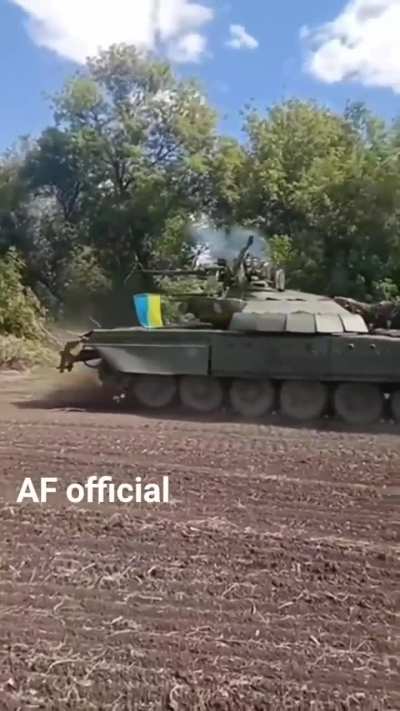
x: 79, y: 389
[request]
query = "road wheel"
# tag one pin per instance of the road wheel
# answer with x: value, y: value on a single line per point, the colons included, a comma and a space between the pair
x: 252, y: 398
x: 303, y: 401
x: 154, y: 391
x: 201, y: 393
x: 359, y: 403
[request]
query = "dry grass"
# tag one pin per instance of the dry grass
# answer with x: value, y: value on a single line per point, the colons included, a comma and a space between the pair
x: 21, y: 354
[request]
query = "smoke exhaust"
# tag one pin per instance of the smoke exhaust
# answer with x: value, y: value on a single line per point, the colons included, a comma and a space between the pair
x: 213, y: 243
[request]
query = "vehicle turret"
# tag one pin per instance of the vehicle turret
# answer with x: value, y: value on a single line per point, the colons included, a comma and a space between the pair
x: 236, y: 283
x: 251, y: 295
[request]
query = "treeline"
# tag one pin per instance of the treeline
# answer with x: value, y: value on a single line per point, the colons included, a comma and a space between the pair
x: 134, y: 156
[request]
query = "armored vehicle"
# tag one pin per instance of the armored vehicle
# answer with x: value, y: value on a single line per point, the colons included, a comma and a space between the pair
x: 252, y: 345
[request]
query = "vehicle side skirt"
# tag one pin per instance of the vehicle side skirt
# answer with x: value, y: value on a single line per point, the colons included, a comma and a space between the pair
x: 231, y: 355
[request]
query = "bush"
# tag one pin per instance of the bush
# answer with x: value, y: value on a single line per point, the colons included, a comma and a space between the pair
x: 21, y: 313
x: 20, y: 353
x: 85, y: 283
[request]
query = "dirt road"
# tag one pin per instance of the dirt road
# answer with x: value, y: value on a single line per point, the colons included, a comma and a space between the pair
x: 270, y: 581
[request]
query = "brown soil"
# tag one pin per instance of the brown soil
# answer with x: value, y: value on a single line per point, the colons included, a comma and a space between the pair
x: 271, y: 581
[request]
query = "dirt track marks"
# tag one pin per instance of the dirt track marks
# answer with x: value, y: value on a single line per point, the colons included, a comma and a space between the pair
x: 272, y: 581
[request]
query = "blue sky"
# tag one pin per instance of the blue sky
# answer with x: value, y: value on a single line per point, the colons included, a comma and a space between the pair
x: 258, y: 50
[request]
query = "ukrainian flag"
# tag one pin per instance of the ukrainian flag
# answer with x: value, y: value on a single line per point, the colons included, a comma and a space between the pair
x: 148, y: 310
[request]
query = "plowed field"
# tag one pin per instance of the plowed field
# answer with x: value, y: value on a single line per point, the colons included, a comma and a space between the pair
x: 270, y: 581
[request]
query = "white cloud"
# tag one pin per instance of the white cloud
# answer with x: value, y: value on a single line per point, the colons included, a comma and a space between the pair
x: 361, y: 44
x: 188, y: 48
x: 241, y: 39
x: 76, y: 29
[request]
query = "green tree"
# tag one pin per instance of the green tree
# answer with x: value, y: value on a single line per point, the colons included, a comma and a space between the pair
x: 326, y: 182
x: 53, y: 169
x: 143, y: 139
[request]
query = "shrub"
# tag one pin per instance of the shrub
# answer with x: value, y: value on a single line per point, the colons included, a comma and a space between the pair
x: 20, y: 353
x: 85, y: 282
x: 21, y: 313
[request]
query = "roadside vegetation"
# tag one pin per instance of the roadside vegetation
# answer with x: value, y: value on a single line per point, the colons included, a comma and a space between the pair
x: 24, y: 339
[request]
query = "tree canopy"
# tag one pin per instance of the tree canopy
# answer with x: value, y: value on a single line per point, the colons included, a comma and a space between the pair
x: 134, y: 156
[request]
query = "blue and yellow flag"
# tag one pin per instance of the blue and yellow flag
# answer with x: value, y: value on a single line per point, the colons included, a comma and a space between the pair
x: 148, y: 310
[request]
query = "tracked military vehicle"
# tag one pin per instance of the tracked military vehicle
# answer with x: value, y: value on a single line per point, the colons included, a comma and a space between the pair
x: 252, y: 345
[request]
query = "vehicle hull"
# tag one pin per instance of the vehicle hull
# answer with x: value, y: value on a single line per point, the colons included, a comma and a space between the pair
x: 304, y: 377
x: 229, y: 354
